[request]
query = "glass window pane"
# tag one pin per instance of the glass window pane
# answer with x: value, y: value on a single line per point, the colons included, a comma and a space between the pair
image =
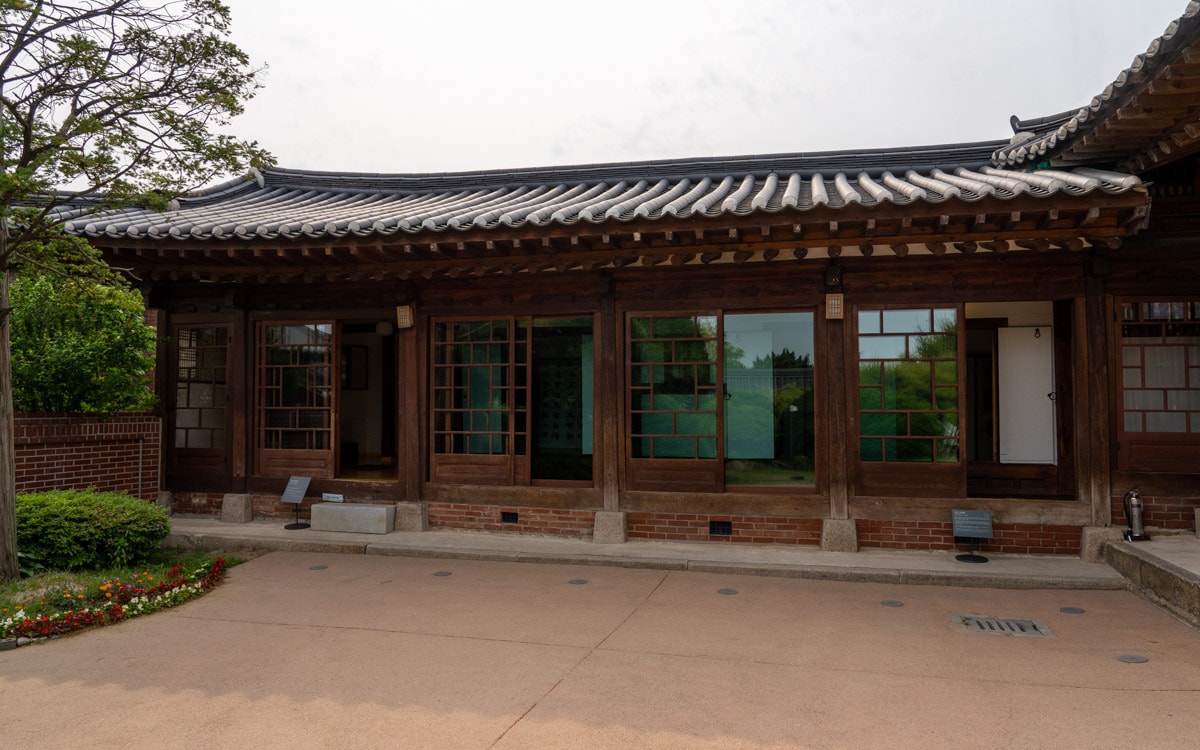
x: 869, y: 322
x: 907, y: 321
x: 884, y: 424
x: 870, y: 450
x: 870, y: 399
x: 882, y: 347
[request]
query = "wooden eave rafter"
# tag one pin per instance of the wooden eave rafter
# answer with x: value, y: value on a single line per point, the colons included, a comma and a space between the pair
x: 993, y: 225
x: 1156, y: 122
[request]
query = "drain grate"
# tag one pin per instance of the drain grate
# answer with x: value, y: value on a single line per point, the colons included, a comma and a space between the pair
x: 1004, y: 626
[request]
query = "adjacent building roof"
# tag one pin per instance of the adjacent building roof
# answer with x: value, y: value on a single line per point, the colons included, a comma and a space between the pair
x: 1145, y: 117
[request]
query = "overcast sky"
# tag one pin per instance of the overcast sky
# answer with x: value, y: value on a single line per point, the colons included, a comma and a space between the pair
x: 452, y: 85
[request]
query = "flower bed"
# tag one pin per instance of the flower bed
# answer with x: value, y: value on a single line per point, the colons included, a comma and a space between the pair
x: 119, y: 601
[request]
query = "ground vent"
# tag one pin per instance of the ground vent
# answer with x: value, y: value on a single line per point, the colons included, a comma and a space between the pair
x: 1004, y: 626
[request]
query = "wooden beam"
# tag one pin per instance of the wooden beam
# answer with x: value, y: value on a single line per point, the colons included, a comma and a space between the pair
x: 679, y: 259
x: 1040, y: 246
x: 833, y: 229
x: 869, y: 229
x: 1107, y: 243
x: 734, y: 234
x: 707, y: 258
x: 943, y: 222
x: 797, y: 231
x: 937, y: 248
x: 866, y: 250
x: 900, y: 249
x: 1011, y: 221
x: 966, y: 248
x: 770, y: 254
x: 1073, y: 244
x: 741, y: 256
x: 998, y: 246
x: 765, y: 231
x: 1093, y: 213
x: 835, y: 251
x: 800, y: 253
x: 1047, y: 220
x: 652, y: 260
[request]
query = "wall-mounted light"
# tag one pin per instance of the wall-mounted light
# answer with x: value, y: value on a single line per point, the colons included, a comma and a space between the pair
x: 833, y: 276
x: 834, y: 307
x: 404, y: 316
x: 385, y: 328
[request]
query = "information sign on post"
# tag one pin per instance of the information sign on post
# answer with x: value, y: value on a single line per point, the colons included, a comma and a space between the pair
x: 294, y: 494
x: 971, y: 526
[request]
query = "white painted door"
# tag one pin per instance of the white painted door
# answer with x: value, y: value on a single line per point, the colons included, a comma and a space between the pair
x: 1025, y: 374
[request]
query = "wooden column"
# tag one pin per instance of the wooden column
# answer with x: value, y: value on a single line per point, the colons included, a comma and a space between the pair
x: 835, y: 389
x: 1093, y: 439
x: 607, y: 402
x: 412, y: 403
x: 241, y: 417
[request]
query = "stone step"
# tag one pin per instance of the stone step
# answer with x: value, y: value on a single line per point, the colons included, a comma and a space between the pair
x: 1151, y: 575
x: 360, y: 518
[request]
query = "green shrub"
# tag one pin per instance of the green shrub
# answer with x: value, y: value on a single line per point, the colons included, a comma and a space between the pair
x: 80, y: 529
x: 79, y: 346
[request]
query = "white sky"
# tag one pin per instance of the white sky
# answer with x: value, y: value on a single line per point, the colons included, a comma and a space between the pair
x: 452, y: 85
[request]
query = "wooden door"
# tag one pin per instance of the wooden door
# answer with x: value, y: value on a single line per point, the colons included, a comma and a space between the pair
x: 295, y: 398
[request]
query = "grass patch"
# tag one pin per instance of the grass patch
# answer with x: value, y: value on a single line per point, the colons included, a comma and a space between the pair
x: 54, y: 602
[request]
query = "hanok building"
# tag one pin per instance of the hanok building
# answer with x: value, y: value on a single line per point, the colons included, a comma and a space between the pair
x: 835, y: 348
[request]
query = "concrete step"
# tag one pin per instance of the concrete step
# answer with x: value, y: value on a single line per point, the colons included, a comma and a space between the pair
x: 1165, y: 570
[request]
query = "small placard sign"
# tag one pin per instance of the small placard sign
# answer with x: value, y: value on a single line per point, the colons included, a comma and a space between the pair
x: 332, y: 497
x: 972, y: 524
x: 294, y: 492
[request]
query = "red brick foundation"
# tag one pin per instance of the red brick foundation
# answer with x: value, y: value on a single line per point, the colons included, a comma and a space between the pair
x: 1017, y: 538
x: 56, y: 452
x: 1160, y: 512
x: 752, y: 529
x: 565, y: 522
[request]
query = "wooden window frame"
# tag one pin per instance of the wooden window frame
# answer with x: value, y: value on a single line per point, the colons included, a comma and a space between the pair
x: 901, y: 478
x: 1169, y: 452
x: 279, y: 461
x: 191, y: 466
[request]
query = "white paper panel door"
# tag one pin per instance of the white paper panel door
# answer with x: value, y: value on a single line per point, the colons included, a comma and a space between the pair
x: 1025, y: 370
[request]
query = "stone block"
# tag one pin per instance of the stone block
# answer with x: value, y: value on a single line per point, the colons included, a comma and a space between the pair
x: 164, y: 499
x: 412, y: 516
x: 608, y: 527
x: 839, y: 535
x: 1092, y: 540
x: 237, y: 508
x: 357, y: 518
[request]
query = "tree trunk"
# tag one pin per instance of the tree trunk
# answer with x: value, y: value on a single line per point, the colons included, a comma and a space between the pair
x: 9, y: 568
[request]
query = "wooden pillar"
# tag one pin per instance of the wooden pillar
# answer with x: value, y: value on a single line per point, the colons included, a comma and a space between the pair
x: 836, y: 395
x: 1093, y: 439
x: 241, y: 397
x: 411, y: 450
x: 608, y: 399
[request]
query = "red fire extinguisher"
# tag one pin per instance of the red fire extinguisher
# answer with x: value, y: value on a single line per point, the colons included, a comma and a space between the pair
x: 1133, y: 512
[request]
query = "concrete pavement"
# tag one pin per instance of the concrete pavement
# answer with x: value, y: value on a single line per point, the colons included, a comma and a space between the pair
x: 320, y: 650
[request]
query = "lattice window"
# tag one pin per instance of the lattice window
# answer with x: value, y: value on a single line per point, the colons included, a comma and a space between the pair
x: 295, y: 397
x: 908, y: 382
x: 201, y: 394
x: 1160, y: 367
x: 673, y: 386
x: 480, y: 393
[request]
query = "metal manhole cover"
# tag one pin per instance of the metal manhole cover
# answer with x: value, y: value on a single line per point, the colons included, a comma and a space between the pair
x: 1004, y: 626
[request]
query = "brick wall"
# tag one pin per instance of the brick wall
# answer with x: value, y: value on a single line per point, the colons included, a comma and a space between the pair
x: 1017, y: 538
x: 695, y: 527
x: 120, y: 454
x: 562, y: 521
x: 1160, y: 512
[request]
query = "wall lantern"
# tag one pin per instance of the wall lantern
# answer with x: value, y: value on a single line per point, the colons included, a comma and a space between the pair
x: 404, y: 316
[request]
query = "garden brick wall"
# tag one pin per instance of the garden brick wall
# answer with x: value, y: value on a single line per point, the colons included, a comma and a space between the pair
x: 120, y: 454
x: 695, y: 526
x: 1016, y: 538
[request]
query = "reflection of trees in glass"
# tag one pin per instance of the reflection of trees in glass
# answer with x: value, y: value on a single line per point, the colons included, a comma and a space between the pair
x: 908, y: 402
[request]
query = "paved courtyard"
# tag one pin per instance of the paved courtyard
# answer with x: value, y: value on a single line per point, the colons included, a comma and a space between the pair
x: 299, y: 650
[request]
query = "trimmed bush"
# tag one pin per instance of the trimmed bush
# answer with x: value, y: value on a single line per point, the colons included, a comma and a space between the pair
x: 81, y: 529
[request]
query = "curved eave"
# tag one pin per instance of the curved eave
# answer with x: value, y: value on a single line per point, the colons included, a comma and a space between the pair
x: 310, y: 213
x: 1143, y: 118
x: 1070, y: 221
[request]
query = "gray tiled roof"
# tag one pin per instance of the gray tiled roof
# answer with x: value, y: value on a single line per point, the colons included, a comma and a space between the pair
x: 1037, y: 139
x: 281, y: 203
